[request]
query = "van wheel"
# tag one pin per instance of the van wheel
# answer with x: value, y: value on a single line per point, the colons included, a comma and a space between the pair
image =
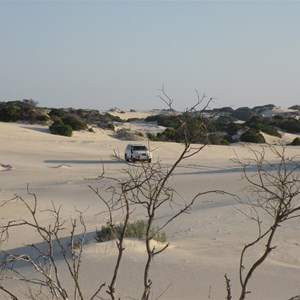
x: 149, y: 160
x: 132, y: 159
x: 126, y: 158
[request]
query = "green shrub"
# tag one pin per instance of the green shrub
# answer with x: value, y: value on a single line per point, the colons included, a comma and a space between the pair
x: 25, y: 110
x: 295, y: 142
x: 291, y: 125
x: 110, y: 117
x: 10, y: 113
x: 111, y: 126
x: 216, y: 139
x: 76, y: 122
x: 59, y: 128
x: 57, y: 112
x: 252, y: 136
x: 151, y: 136
x: 243, y: 113
x: 264, y: 124
x: 270, y: 130
x: 164, y: 120
x: 169, y: 134
x: 229, y: 138
x: 137, y: 230
x: 233, y: 128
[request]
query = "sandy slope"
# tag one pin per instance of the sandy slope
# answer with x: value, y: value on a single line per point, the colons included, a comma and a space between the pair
x: 204, y: 245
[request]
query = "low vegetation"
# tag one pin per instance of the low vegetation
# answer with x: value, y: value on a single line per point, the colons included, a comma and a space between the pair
x: 296, y: 142
x: 129, y: 135
x: 227, y: 128
x: 136, y: 229
x: 225, y: 125
x: 59, y: 128
x: 252, y: 136
x: 25, y: 110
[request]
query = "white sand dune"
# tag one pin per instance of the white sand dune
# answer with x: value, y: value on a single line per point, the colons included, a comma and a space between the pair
x: 110, y: 248
x: 277, y: 110
x: 140, y: 114
x: 204, y: 244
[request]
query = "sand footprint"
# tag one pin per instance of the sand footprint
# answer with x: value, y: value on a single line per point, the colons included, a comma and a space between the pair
x: 65, y: 166
x: 4, y: 167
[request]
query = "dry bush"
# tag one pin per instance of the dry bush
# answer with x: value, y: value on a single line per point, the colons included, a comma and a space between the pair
x: 274, y: 189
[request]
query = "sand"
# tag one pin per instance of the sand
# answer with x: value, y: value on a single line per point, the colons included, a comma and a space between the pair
x: 204, y: 244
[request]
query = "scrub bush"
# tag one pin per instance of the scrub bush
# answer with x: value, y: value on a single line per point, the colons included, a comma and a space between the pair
x: 59, y: 128
x: 252, y: 136
x: 136, y: 229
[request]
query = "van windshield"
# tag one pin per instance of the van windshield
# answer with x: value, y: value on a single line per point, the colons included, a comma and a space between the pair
x: 139, y: 148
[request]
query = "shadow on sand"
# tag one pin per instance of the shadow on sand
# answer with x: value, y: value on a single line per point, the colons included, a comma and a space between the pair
x: 205, y: 170
x: 82, y: 161
x: 39, y: 129
x: 33, y: 253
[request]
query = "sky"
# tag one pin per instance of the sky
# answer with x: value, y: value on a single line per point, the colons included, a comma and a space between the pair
x: 104, y: 54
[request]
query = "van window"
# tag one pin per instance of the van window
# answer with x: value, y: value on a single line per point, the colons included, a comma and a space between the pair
x: 139, y: 148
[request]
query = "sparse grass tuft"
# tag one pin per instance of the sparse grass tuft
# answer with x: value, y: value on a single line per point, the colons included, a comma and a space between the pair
x: 136, y: 229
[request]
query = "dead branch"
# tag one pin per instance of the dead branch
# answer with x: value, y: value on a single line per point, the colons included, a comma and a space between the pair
x: 275, y: 190
x: 42, y: 257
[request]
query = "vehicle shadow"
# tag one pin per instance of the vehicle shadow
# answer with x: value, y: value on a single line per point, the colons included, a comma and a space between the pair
x: 82, y: 161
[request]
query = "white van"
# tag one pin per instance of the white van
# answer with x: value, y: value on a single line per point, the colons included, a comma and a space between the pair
x: 137, y: 152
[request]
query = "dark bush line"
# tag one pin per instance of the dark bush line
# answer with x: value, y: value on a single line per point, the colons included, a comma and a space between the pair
x: 222, y: 130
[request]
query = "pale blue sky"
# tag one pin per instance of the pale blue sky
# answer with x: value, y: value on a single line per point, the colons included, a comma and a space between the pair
x: 101, y: 54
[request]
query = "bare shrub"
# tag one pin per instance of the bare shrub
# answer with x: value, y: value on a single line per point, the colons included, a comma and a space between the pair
x: 275, y: 189
x: 45, y: 280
